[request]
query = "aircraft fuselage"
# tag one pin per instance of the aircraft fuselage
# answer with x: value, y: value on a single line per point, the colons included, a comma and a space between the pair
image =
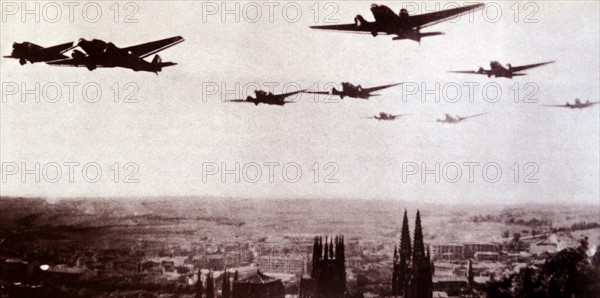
x: 27, y: 51
x: 349, y: 90
x: 108, y: 55
x: 400, y: 25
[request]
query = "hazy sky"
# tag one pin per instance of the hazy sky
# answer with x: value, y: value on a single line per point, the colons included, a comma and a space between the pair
x: 172, y: 132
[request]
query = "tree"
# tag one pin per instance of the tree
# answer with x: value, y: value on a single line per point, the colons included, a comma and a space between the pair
x: 568, y: 273
x: 199, y: 288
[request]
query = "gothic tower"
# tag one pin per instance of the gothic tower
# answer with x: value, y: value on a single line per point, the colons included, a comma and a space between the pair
x: 413, y: 270
x: 328, y: 276
x: 199, y: 288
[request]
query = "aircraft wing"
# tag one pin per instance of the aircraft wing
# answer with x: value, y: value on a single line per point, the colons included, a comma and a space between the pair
x: 284, y: 95
x: 472, y: 116
x: 153, y: 47
x: 432, y: 18
x: 70, y: 62
x: 61, y: 48
x: 373, y: 89
x: 352, y: 28
x: 467, y: 71
x: 238, y: 100
x: 524, y: 67
x: 318, y: 92
x: 557, y: 106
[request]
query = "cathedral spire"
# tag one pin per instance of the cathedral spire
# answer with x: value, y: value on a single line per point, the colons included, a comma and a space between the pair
x: 418, y: 254
x: 210, y: 286
x: 405, y: 247
x: 226, y: 291
x: 199, y: 288
x: 326, y: 250
x: 331, y: 255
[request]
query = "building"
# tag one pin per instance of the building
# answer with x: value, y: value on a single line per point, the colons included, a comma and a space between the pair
x: 471, y: 248
x: 447, y: 252
x: 487, y: 256
x: 258, y: 286
x: 412, y: 267
x: 279, y: 263
x: 328, y: 276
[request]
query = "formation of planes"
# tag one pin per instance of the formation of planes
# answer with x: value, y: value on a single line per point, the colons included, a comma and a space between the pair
x: 577, y: 105
x: 96, y: 53
x: 499, y: 71
x: 267, y: 98
x: 403, y: 25
x: 455, y: 120
x: 349, y: 90
x: 385, y: 116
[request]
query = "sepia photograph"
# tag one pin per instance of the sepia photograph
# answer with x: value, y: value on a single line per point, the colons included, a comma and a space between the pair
x: 300, y: 149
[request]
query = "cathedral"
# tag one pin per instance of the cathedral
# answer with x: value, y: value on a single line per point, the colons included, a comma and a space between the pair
x: 413, y: 269
x: 328, y: 276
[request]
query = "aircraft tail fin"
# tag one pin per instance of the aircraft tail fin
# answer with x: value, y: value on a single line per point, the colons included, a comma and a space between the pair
x: 158, y: 64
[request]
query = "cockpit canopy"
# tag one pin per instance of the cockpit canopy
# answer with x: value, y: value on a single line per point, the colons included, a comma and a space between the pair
x: 403, y: 13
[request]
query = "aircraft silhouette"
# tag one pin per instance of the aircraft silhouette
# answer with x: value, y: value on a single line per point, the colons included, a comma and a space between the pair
x: 33, y: 53
x: 457, y: 119
x: 267, y: 98
x: 577, y: 105
x: 385, y: 116
x: 497, y: 70
x: 352, y: 91
x: 402, y: 25
x: 97, y: 53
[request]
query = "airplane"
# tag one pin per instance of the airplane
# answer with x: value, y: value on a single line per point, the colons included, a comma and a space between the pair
x: 577, y: 105
x: 385, y: 116
x: 401, y: 25
x: 498, y: 70
x: 352, y: 91
x: 267, y: 98
x: 99, y: 53
x: 457, y: 119
x: 33, y: 53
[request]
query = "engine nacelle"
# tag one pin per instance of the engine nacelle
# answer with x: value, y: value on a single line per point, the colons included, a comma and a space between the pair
x: 403, y: 13
x: 91, y: 66
x: 78, y: 55
x: 359, y: 21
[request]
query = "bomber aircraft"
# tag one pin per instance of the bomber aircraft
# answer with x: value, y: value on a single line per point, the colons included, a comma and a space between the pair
x: 97, y: 53
x: 455, y: 120
x: 497, y: 70
x: 403, y: 25
x: 267, y: 98
x: 577, y: 105
x: 33, y: 53
x: 352, y: 91
x: 385, y: 116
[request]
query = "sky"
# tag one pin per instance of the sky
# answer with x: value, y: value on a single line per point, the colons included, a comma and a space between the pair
x: 180, y: 137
